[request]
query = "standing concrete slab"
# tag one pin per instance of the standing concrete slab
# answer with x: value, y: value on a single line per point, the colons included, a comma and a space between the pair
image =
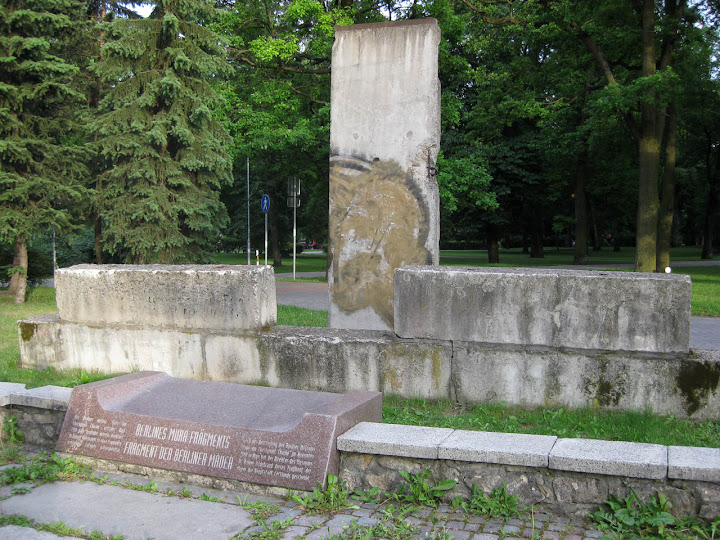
x: 384, y: 140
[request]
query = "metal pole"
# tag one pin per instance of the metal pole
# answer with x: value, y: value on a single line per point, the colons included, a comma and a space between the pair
x: 248, y: 210
x: 265, y: 238
x: 294, y: 200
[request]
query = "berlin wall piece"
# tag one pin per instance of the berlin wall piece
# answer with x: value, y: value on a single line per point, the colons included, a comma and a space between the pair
x: 384, y: 140
x: 255, y: 434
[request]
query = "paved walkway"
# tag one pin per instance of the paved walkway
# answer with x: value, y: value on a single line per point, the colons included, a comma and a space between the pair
x: 152, y: 513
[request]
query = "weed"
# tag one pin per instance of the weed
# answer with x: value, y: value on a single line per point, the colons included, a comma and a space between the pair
x: 148, y: 488
x: 271, y: 531
x: 185, y: 494
x: 498, y: 504
x: 330, y: 499
x: 391, y: 526
x: 40, y: 470
x: 420, y: 491
x: 630, y: 518
x: 259, y: 510
x: 210, y: 498
x: 13, y: 435
x: 371, y: 496
x: 20, y: 490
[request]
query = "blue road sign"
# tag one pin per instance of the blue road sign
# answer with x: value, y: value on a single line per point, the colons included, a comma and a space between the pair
x: 265, y: 204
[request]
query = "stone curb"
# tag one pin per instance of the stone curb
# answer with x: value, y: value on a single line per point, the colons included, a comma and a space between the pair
x: 54, y: 398
x: 612, y: 458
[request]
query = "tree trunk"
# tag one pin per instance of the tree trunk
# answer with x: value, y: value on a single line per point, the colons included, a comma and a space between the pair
x: 98, y: 240
x: 649, y: 154
x: 711, y: 207
x: 275, y: 237
x: 581, y: 221
x: 20, y: 268
x: 492, y: 243
x: 536, y: 236
x: 14, y: 277
x: 667, y: 205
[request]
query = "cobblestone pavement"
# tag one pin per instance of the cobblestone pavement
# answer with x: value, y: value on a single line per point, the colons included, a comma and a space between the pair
x: 136, y: 507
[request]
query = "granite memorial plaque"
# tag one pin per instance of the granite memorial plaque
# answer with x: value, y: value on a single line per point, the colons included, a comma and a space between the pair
x: 269, y: 436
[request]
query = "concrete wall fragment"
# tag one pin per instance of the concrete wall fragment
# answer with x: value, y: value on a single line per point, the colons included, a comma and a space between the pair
x: 384, y: 140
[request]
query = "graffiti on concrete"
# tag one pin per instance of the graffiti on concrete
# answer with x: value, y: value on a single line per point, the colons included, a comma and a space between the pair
x: 379, y: 222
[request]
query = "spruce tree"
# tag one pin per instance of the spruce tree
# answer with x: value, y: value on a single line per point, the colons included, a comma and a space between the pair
x: 163, y: 154
x: 40, y: 166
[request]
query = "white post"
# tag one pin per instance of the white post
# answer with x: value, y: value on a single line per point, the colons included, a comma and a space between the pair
x: 248, y: 211
x: 294, y: 200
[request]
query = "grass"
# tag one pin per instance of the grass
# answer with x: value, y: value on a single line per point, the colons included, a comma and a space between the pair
x: 296, y: 316
x: 304, y: 262
x: 705, y: 289
x: 584, y: 423
x: 557, y: 257
x: 40, y: 300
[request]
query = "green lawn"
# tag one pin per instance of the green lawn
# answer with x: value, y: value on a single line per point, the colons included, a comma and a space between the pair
x: 304, y: 262
x: 584, y: 423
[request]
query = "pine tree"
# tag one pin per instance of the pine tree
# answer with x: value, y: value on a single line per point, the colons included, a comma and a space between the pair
x: 162, y: 152
x: 40, y: 166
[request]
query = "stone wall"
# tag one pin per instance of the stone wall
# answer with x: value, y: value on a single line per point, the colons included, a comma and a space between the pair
x: 562, y: 476
x: 39, y: 411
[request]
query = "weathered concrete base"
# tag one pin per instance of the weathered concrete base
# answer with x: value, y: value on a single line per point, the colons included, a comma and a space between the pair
x: 681, y: 384
x: 320, y: 359
x: 334, y: 360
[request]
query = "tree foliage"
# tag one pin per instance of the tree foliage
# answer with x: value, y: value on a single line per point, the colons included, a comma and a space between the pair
x: 41, y: 161
x: 163, y: 155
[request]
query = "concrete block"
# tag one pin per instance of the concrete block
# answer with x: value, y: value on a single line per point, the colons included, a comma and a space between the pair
x: 212, y: 297
x: 614, y: 458
x: 393, y: 440
x: 615, y: 311
x: 7, y: 389
x: 39, y: 341
x: 502, y: 448
x: 683, y: 385
x: 56, y: 398
x: 233, y: 358
x: 337, y: 360
x: 693, y: 463
x: 384, y: 141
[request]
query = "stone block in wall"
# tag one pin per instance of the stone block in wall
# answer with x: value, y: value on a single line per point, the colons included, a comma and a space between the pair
x: 335, y: 360
x: 384, y: 141
x: 683, y: 385
x: 210, y: 297
x: 113, y: 349
x: 39, y: 340
x: 615, y: 311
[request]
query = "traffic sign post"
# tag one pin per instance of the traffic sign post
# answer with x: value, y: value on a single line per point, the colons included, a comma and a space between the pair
x: 294, y: 201
x: 265, y: 206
